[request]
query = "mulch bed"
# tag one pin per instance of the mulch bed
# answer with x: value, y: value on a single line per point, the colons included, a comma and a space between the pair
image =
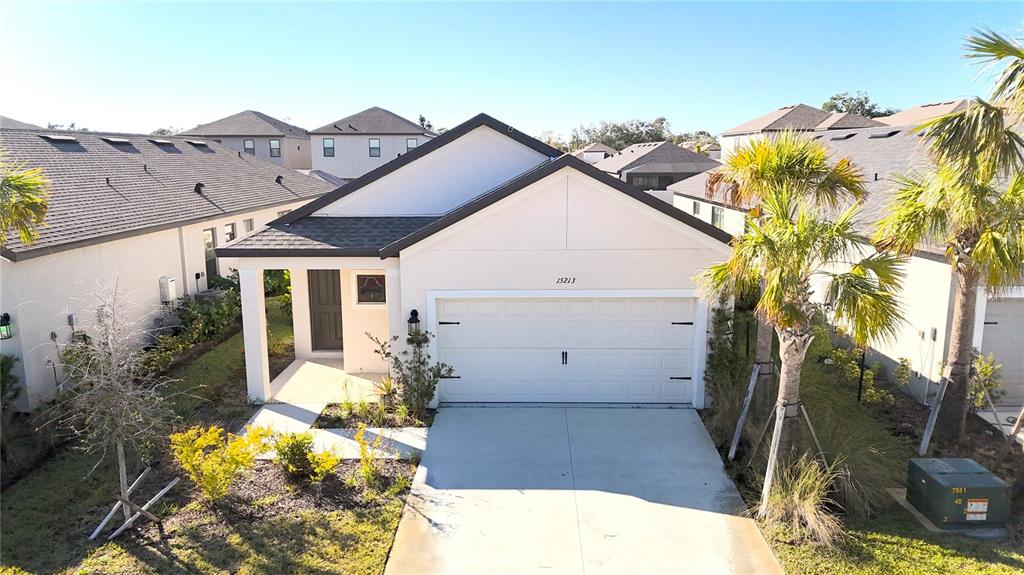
x: 336, y: 416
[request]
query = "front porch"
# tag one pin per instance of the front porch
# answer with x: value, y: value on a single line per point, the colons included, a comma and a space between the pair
x: 337, y: 304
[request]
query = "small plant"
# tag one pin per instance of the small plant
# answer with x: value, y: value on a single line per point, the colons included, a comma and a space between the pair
x: 379, y: 415
x: 362, y: 409
x: 902, y: 374
x: 401, y: 414
x: 212, y: 459
x: 321, y: 465
x: 369, y: 470
x: 347, y: 407
x: 293, y: 452
x: 985, y: 377
x: 386, y: 390
x: 800, y: 499
x: 413, y: 370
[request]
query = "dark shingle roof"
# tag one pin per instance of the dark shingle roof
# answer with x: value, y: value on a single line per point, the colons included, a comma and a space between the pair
x: 247, y: 123
x: 350, y: 236
x: 373, y: 121
x: 103, y: 188
x: 796, y: 117
x: 924, y: 112
x: 845, y: 120
x: 666, y: 155
x: 12, y: 124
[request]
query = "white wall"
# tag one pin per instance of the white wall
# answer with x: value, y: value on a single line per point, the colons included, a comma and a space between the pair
x: 442, y: 180
x: 733, y: 221
x: 295, y: 152
x: 352, y: 152
x: 39, y: 293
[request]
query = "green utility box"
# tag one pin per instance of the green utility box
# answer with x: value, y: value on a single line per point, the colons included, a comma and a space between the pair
x: 957, y: 492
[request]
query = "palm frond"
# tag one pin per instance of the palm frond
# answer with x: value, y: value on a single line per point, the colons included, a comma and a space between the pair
x: 24, y: 199
x: 979, y: 139
x: 864, y: 300
x: 915, y: 214
x: 991, y: 49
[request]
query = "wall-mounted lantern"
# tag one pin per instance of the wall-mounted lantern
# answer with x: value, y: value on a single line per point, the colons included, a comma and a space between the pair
x: 5, y: 326
x: 414, y: 322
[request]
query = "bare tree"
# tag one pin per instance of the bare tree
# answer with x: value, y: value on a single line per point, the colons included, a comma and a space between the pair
x: 112, y: 401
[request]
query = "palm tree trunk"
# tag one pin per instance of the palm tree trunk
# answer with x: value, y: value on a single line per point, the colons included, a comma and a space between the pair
x: 953, y: 414
x: 763, y: 356
x: 122, y: 472
x: 792, y: 349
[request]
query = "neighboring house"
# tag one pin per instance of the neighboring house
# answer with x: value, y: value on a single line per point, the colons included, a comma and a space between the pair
x: 881, y: 153
x: 357, y: 144
x: 13, y: 124
x: 654, y: 165
x: 142, y: 213
x: 260, y: 135
x: 796, y: 118
x: 543, y: 278
x: 712, y: 150
x: 594, y: 152
x: 920, y: 114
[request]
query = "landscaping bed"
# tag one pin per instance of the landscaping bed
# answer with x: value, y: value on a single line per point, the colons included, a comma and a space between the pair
x: 352, y: 415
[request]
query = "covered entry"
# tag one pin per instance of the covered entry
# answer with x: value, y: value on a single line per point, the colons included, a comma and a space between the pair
x: 582, y: 348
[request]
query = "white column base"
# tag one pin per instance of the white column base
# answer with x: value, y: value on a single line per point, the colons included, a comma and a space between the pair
x: 254, y: 332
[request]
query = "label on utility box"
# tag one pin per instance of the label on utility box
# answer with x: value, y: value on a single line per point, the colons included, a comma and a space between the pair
x: 977, y: 516
x: 977, y: 505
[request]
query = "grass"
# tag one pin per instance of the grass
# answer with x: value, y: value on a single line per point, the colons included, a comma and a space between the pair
x: 48, y: 514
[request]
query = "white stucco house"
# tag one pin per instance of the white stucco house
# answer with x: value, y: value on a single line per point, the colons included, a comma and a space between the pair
x: 260, y: 135
x: 882, y: 152
x: 356, y: 144
x: 543, y: 278
x: 143, y: 213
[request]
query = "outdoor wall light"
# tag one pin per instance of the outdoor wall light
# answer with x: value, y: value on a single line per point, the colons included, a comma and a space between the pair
x: 5, y: 326
x: 414, y: 322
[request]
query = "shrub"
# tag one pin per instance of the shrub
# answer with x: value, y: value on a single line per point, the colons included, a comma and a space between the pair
x: 369, y: 470
x: 321, y: 465
x: 212, y: 459
x: 413, y: 370
x: 725, y: 376
x: 799, y: 497
x: 293, y: 452
x: 402, y: 414
x: 902, y: 374
x: 985, y: 377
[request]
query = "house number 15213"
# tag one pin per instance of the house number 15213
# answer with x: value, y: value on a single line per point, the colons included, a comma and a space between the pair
x: 565, y: 281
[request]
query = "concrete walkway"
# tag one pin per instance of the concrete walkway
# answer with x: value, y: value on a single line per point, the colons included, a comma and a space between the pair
x: 574, y: 490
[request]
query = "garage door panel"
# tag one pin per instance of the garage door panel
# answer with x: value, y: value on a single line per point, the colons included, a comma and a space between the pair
x: 1004, y: 338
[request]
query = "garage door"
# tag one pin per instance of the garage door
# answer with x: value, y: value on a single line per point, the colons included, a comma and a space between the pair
x: 1004, y: 338
x: 624, y: 350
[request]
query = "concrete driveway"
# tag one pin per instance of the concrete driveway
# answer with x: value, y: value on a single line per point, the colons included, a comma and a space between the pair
x: 574, y: 490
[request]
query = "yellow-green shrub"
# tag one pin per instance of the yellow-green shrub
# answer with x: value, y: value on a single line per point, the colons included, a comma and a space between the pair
x: 293, y: 452
x: 368, y: 468
x: 321, y: 464
x: 212, y: 459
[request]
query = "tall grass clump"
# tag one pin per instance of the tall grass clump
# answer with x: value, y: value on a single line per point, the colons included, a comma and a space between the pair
x: 800, y: 500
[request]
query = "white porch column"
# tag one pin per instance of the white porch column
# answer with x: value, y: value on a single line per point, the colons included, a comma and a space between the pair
x: 300, y: 313
x: 254, y: 332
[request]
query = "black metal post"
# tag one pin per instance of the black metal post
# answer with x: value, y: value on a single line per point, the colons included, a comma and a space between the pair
x: 860, y: 384
x: 747, y: 350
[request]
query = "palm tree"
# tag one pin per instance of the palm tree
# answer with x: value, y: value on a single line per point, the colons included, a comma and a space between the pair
x: 24, y: 198
x: 971, y: 202
x: 792, y: 246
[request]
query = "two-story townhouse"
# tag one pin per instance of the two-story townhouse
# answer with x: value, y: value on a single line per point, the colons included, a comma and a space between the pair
x: 260, y: 135
x: 357, y: 144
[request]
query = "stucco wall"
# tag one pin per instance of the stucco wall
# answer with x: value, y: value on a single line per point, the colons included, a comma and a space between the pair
x: 733, y: 221
x: 295, y: 152
x: 39, y: 293
x: 352, y: 152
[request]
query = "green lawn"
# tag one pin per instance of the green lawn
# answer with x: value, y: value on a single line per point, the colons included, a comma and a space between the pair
x: 48, y: 515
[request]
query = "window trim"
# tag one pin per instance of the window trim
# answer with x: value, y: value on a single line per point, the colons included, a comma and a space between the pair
x: 246, y: 148
x: 415, y: 144
x: 717, y: 213
x: 356, y: 274
x: 324, y: 146
x: 372, y: 147
x: 270, y: 144
x: 232, y: 234
x: 248, y: 225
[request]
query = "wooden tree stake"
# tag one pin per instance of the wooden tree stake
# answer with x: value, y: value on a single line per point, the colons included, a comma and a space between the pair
x: 117, y: 506
x: 773, y: 456
x: 933, y: 415
x: 743, y: 412
x: 131, y: 520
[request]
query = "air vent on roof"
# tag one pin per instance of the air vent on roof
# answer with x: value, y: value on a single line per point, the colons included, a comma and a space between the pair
x: 115, y: 141
x: 888, y: 134
x: 199, y: 187
x: 196, y: 142
x: 59, y: 138
x: 161, y: 142
x: 279, y: 179
x: 844, y: 136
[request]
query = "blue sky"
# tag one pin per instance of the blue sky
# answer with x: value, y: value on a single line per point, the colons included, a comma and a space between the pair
x: 137, y: 67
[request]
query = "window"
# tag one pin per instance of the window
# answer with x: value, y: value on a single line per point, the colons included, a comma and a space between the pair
x: 275, y: 148
x: 247, y: 225
x: 230, y: 232
x: 716, y: 216
x: 374, y: 147
x: 370, y: 289
x: 696, y: 207
x: 328, y: 147
x: 283, y: 212
x: 645, y: 182
x: 411, y: 143
x: 249, y: 146
x: 209, y: 244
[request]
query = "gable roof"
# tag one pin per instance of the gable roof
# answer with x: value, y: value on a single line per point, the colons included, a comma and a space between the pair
x: 594, y: 147
x: 106, y: 186
x: 919, y: 114
x: 656, y: 157
x: 416, y: 153
x: 341, y: 236
x: 373, y: 120
x: 12, y: 124
x: 795, y: 117
x: 247, y: 123
x: 844, y: 120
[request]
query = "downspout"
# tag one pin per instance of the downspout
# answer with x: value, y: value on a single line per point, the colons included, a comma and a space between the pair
x: 181, y: 257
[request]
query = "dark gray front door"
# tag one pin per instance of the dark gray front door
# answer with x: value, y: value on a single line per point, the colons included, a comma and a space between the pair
x: 325, y: 309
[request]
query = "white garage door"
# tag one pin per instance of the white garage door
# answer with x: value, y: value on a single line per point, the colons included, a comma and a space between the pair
x: 1004, y: 338
x: 625, y: 350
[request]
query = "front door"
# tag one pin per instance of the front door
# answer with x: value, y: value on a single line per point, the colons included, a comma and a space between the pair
x: 325, y: 309
x: 209, y: 243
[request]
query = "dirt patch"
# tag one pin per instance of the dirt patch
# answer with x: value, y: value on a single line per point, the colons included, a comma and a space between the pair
x: 345, y: 416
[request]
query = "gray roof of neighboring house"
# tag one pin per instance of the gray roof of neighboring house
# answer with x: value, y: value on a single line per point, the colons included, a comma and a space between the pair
x: 919, y: 114
x: 247, y: 123
x: 106, y: 186
x: 373, y: 120
x: 352, y: 236
x: 801, y: 117
x: 670, y: 157
x: 892, y: 151
x: 594, y: 147
x: 329, y: 178
x: 845, y: 120
x: 13, y: 124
